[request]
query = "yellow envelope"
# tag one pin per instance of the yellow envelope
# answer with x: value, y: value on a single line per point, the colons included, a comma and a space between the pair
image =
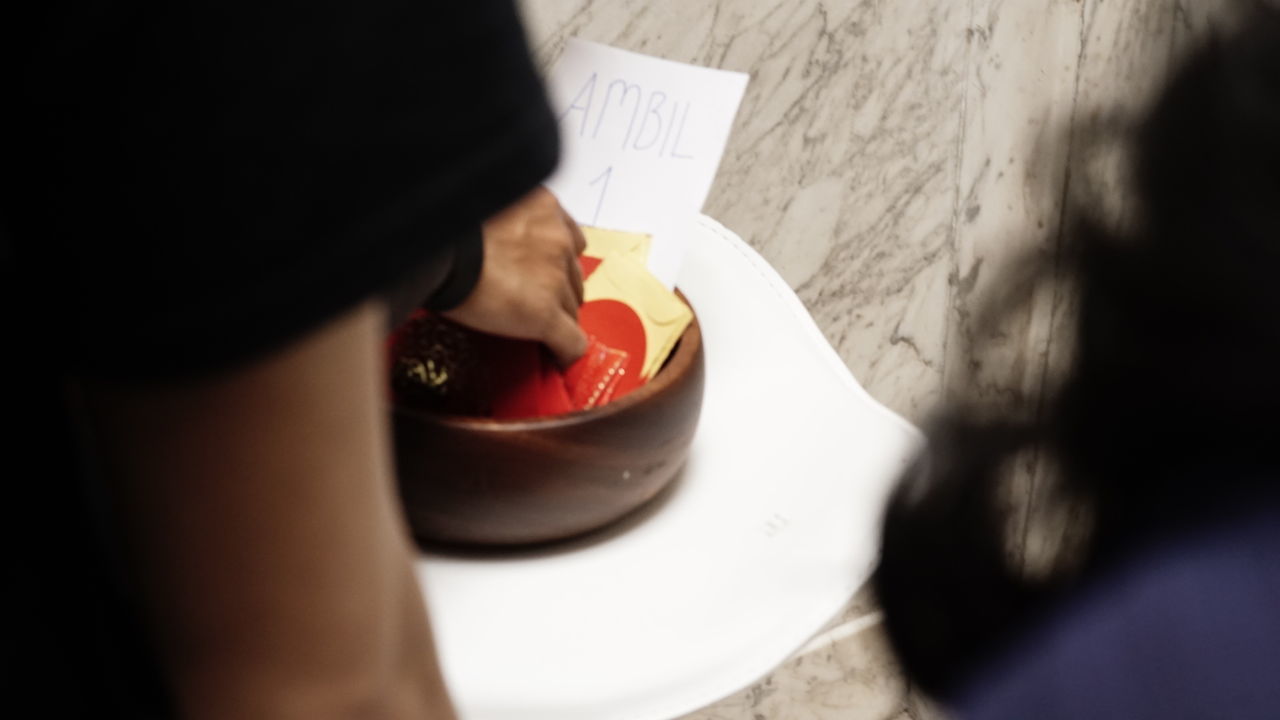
x: 663, y: 315
x: 603, y: 243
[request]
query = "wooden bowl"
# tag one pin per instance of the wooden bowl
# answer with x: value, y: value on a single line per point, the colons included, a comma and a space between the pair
x: 479, y: 481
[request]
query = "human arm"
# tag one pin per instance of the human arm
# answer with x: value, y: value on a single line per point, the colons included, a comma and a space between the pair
x: 260, y: 521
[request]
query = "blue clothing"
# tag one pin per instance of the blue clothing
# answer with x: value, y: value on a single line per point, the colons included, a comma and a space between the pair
x: 1187, y: 628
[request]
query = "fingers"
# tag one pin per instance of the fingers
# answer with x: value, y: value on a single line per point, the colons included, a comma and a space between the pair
x: 531, y: 285
x: 579, y: 245
x: 565, y: 339
x: 569, y: 303
x: 579, y: 239
x: 575, y: 279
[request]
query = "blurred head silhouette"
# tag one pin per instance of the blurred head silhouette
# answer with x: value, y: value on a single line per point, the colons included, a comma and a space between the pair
x: 1166, y: 416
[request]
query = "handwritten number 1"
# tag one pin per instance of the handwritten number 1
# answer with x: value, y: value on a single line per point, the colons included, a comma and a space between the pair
x: 603, y: 179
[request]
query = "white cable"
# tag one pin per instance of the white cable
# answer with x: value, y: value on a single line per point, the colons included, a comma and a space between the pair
x: 840, y: 632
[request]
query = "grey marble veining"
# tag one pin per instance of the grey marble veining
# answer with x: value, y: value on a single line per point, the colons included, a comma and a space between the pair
x: 900, y: 163
x: 841, y: 157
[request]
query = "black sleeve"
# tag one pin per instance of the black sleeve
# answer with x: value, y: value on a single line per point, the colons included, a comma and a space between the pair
x: 444, y: 282
x: 466, y: 260
x: 198, y: 182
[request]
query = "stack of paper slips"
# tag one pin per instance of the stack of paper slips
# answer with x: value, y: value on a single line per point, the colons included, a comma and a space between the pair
x: 624, y: 305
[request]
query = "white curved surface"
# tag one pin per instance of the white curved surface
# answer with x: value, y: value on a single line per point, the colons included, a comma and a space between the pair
x: 769, y: 532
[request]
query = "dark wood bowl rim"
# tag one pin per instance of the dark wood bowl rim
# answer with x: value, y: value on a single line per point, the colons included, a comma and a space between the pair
x: 678, y: 365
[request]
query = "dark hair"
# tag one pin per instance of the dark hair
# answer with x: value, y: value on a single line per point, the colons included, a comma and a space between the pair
x: 1168, y: 412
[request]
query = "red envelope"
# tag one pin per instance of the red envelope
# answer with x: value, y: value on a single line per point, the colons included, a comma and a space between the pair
x: 615, y: 325
x: 589, y: 265
x: 526, y: 383
x: 517, y: 379
x: 594, y: 378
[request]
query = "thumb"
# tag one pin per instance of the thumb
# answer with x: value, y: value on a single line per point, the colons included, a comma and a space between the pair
x: 565, y: 339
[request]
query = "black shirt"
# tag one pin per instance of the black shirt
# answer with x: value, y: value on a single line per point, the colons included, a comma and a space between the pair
x: 188, y: 185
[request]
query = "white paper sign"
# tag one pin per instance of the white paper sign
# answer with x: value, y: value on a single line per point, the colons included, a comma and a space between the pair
x: 641, y: 140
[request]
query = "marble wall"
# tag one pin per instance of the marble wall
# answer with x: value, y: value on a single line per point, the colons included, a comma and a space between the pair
x: 900, y: 162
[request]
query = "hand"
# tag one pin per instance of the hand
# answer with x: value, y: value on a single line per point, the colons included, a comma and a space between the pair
x: 531, y: 284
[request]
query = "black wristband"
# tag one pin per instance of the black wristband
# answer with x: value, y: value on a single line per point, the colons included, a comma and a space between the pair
x: 464, y: 273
